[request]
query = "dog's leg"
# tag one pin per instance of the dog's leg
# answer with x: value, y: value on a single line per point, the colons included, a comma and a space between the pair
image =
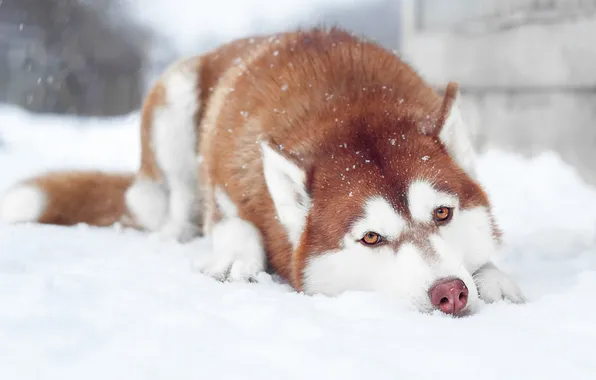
x: 494, y: 285
x: 238, y: 252
x: 163, y: 196
x: 147, y: 202
x: 174, y: 140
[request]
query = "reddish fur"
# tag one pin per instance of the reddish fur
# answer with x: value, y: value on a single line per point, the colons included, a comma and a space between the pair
x: 154, y: 99
x: 90, y: 197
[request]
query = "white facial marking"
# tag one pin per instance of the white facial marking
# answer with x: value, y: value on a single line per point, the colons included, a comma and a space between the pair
x: 286, y: 184
x: 403, y: 274
x: 380, y: 217
x: 456, y: 137
x: 470, y: 232
x: 147, y: 201
x: 450, y: 262
x: 22, y: 204
x: 174, y: 144
x: 423, y: 198
x: 363, y: 268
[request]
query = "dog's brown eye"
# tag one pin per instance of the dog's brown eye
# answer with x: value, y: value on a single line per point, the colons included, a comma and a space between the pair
x: 371, y: 238
x: 442, y: 214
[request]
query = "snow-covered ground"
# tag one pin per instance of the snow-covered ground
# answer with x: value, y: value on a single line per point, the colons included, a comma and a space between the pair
x: 90, y: 303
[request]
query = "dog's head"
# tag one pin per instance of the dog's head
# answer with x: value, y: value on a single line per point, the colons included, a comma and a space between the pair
x: 389, y: 204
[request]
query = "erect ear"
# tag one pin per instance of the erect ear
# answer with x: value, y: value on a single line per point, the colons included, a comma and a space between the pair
x: 453, y: 132
x: 286, y: 183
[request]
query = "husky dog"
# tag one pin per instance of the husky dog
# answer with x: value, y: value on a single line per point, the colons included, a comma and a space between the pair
x: 314, y: 151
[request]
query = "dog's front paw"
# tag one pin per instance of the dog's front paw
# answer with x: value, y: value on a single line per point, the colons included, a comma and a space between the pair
x: 494, y: 285
x: 228, y: 269
x: 238, y: 253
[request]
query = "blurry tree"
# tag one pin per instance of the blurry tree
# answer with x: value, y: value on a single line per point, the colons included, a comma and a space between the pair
x: 68, y: 56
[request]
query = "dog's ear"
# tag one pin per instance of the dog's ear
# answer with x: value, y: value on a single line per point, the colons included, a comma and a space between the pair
x: 453, y: 132
x: 286, y: 183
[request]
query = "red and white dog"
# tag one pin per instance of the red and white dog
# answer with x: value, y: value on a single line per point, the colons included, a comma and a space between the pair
x: 317, y: 152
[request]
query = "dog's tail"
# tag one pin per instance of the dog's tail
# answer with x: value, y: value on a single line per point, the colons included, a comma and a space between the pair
x: 67, y: 198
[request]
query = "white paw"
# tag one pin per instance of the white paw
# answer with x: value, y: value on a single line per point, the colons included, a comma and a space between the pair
x: 495, y: 285
x: 238, y: 253
x: 180, y: 232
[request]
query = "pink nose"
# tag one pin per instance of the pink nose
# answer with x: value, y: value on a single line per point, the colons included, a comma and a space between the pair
x: 449, y: 295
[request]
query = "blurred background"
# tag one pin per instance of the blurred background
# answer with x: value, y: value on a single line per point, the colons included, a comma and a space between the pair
x: 527, y: 68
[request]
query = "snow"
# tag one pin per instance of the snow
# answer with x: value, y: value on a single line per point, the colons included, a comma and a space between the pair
x: 101, y: 303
